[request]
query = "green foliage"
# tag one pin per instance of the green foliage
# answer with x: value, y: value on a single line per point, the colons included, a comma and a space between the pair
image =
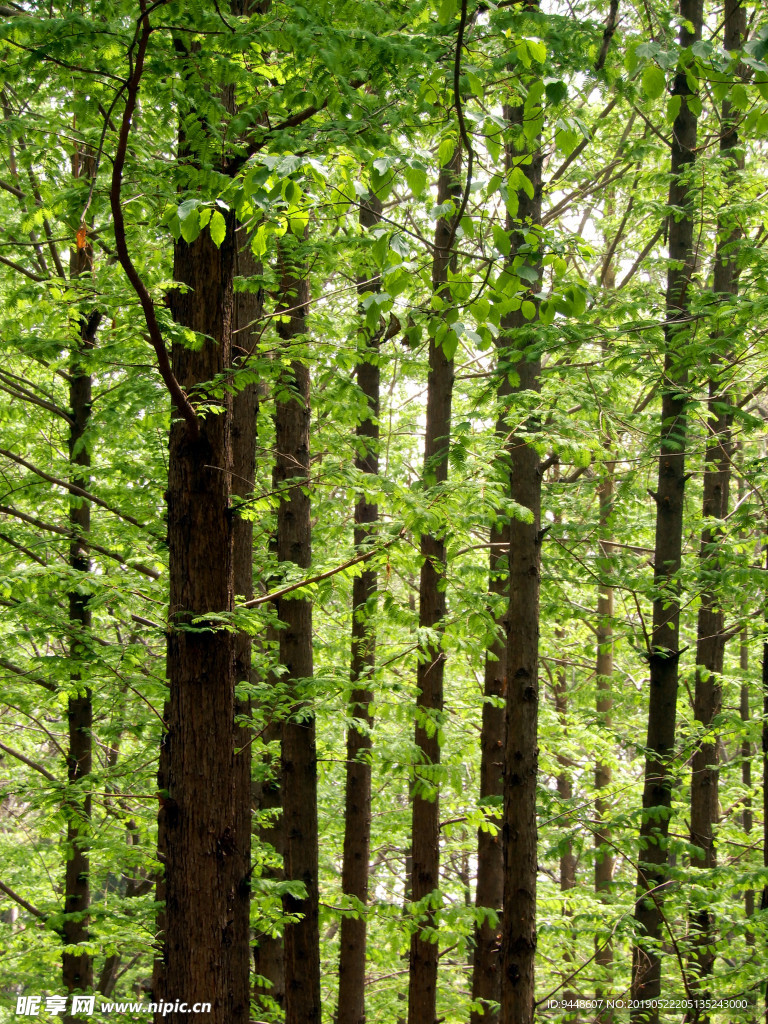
x: 336, y: 103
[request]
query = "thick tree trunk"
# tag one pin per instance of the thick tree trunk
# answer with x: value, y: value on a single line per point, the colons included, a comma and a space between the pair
x: 710, y: 642
x: 519, y: 832
x: 425, y: 822
x: 357, y: 805
x: 664, y: 654
x: 299, y: 757
x: 201, y: 820
x: 77, y: 967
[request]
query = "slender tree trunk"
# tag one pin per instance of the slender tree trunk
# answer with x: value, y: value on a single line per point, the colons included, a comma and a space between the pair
x: 357, y: 805
x: 764, y: 744
x: 299, y: 757
x: 486, y: 975
x: 201, y: 816
x: 77, y: 967
x: 710, y: 642
x: 747, y: 817
x: 565, y: 792
x: 519, y: 832
x: 664, y: 654
x: 425, y: 825
x: 604, y: 857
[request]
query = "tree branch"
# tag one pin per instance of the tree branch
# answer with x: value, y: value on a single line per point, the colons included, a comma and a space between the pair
x: 22, y: 902
x: 39, y: 524
x: 364, y: 557
x: 72, y: 488
x: 25, y: 760
x: 19, y: 671
x: 178, y: 397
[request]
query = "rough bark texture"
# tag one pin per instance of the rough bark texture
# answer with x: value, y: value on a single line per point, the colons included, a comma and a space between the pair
x: 710, y: 640
x: 77, y: 967
x: 519, y: 832
x: 664, y: 654
x: 425, y: 823
x: 203, y: 960
x: 357, y: 824
x: 604, y: 855
x: 299, y: 757
x: 486, y: 974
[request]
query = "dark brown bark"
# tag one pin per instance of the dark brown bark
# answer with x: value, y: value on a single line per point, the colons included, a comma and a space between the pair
x: 357, y: 805
x: 486, y: 973
x: 604, y: 856
x: 710, y: 642
x: 664, y: 654
x: 519, y: 832
x: 425, y: 822
x: 200, y: 809
x: 77, y: 967
x: 299, y: 757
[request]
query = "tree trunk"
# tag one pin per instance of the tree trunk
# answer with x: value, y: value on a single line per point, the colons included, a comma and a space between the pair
x: 200, y: 812
x: 565, y: 793
x: 664, y: 654
x: 604, y: 856
x: 764, y: 744
x: 425, y: 824
x: 357, y: 804
x: 299, y: 757
x: 77, y: 967
x: 519, y: 832
x: 486, y: 974
x: 710, y: 640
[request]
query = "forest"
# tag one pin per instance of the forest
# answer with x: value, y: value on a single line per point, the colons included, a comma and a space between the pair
x: 383, y: 511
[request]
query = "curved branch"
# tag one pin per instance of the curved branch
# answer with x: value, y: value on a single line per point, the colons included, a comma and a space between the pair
x: 180, y: 400
x: 462, y: 125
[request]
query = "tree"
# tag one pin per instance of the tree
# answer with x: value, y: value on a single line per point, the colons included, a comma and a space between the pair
x: 664, y: 651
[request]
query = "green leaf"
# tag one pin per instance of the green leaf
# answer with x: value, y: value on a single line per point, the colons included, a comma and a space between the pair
x: 654, y: 81
x: 501, y: 239
x: 190, y: 227
x: 218, y: 228
x: 673, y: 108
